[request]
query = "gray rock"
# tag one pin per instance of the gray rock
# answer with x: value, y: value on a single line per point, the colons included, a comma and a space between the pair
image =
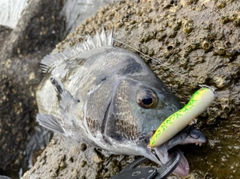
x: 10, y: 12
x: 77, y: 11
x: 21, y: 50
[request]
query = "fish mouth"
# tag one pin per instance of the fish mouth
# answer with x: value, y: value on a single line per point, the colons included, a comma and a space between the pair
x: 164, y: 152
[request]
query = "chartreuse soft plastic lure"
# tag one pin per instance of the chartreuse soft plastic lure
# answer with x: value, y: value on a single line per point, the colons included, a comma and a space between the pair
x: 198, y: 103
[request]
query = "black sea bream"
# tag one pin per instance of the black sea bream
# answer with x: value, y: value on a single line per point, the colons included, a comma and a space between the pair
x: 109, y: 98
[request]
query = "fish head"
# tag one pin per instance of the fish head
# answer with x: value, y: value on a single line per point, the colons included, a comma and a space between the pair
x: 140, y: 103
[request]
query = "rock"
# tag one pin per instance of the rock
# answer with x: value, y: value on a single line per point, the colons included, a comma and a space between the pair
x: 76, y: 12
x: 64, y: 158
x: 21, y: 50
x: 10, y: 12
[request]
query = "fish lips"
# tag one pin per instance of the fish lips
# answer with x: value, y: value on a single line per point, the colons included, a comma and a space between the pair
x: 165, y: 151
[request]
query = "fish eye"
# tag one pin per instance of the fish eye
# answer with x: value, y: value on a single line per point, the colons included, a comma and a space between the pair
x: 147, y: 98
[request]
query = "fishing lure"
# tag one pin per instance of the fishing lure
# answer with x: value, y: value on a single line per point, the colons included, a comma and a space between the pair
x: 198, y: 103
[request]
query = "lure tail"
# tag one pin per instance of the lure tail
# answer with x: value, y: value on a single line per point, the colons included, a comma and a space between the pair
x: 198, y: 103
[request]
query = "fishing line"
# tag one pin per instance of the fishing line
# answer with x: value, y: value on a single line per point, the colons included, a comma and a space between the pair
x: 147, y: 56
x: 175, y: 72
x: 156, y: 61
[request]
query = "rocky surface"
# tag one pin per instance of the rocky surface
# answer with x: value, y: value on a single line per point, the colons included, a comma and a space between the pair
x: 187, y: 43
x: 21, y: 50
x: 10, y: 12
x: 64, y: 158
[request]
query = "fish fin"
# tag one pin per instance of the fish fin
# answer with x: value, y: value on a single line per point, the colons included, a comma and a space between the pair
x: 103, y: 39
x: 58, y: 85
x: 50, y: 122
x: 51, y: 60
x: 66, y: 99
x: 110, y: 38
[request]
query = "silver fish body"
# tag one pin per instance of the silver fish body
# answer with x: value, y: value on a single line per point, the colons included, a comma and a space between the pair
x: 109, y: 98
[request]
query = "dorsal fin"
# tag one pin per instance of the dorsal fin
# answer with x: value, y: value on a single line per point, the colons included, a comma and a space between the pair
x: 99, y: 40
x: 51, y: 60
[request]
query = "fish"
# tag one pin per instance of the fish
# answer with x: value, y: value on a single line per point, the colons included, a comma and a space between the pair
x: 109, y: 98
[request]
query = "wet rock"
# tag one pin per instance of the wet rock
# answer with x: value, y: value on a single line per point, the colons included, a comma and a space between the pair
x: 4, y: 33
x: 10, y: 12
x: 199, y: 56
x: 21, y: 50
x: 75, y: 12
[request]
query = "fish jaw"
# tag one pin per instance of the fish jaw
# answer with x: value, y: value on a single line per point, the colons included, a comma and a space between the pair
x: 162, y: 154
x: 157, y: 156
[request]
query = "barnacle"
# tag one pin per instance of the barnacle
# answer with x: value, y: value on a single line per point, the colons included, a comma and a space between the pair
x: 187, y: 25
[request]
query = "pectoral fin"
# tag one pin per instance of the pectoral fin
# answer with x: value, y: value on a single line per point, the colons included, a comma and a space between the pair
x: 66, y: 100
x: 50, y: 122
